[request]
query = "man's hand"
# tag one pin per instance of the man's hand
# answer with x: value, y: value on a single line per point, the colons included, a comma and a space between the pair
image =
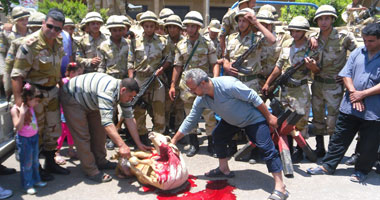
x: 313, y: 43
x: 160, y: 71
x: 23, y: 109
x: 124, y: 151
x: 356, y: 96
x: 310, y: 63
x: 359, y: 106
x: 264, y: 89
x: 229, y: 69
x: 272, y: 121
x: 172, y: 93
x: 95, y: 61
x: 143, y: 147
x: 251, y: 18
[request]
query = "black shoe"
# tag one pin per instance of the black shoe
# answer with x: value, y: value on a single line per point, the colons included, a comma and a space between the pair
x: 51, y: 166
x: 320, y: 147
x: 110, y: 145
x: 6, y: 171
x: 352, y: 160
x: 297, y: 156
x: 192, y: 151
x: 45, y: 176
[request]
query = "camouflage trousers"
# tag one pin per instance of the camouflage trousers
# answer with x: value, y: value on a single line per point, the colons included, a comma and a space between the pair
x: 188, y: 99
x: 154, y: 98
x: 49, y: 119
x: 325, y: 96
x: 175, y: 108
x: 298, y: 99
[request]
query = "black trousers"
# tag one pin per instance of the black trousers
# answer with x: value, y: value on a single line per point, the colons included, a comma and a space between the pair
x: 345, y: 130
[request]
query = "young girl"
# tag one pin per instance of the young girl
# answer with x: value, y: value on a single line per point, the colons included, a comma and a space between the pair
x: 25, y: 122
x: 72, y: 70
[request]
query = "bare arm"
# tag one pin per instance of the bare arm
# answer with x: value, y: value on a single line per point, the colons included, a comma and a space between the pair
x: 275, y: 73
x: 176, y: 73
x: 178, y: 136
x: 271, y: 119
x: 17, y: 88
x: 18, y: 116
x: 216, y: 70
x: 115, y: 137
x: 267, y: 34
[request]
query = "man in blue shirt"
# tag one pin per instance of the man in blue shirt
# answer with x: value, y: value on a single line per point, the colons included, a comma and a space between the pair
x: 239, y: 107
x: 359, y: 109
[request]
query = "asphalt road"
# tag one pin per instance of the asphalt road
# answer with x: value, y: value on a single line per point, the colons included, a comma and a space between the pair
x: 250, y: 182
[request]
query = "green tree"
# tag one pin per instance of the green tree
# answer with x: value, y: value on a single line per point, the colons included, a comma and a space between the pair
x: 288, y: 12
x: 75, y: 10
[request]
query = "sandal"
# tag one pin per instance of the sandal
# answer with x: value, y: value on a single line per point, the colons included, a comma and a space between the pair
x: 101, y: 177
x: 108, y: 165
x: 277, y: 195
x: 316, y: 171
x: 358, y: 177
x: 59, y: 159
x: 218, y: 173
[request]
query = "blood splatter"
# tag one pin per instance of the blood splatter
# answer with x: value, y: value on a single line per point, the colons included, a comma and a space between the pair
x: 216, y: 189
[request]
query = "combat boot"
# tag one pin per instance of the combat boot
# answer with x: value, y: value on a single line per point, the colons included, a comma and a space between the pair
x: 45, y: 175
x: 320, y: 146
x: 194, y: 145
x: 297, y: 156
x: 51, y: 166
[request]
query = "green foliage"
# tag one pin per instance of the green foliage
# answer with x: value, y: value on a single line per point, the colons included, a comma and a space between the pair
x: 73, y: 9
x: 6, y: 5
x: 287, y: 13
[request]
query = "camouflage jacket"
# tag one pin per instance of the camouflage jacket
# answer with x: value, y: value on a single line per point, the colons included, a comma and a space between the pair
x: 229, y: 24
x: 11, y: 55
x: 86, y: 50
x: 37, y: 62
x: 216, y: 43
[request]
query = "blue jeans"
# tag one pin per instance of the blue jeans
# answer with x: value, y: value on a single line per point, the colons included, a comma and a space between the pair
x: 28, y: 152
x: 258, y: 134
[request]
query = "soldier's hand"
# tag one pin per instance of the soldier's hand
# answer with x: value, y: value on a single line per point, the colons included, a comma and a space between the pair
x: 172, y: 93
x: 359, y: 106
x: 160, y: 71
x: 339, y: 79
x: 229, y: 69
x: 95, y: 61
x: 251, y: 18
x: 124, y: 151
x: 265, y: 88
x: 310, y: 63
x: 313, y: 43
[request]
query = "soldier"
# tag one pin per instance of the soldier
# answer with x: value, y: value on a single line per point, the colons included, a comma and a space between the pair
x: 20, y: 19
x: 113, y: 51
x: 229, y: 24
x: 165, y: 13
x: 203, y: 56
x: 212, y: 34
x: 69, y: 27
x: 173, y: 26
x: 86, y: 50
x: 296, y: 96
x: 160, y: 30
x: 354, y: 12
x: 34, y: 24
x: 38, y: 62
x: 271, y: 9
x: 149, y: 49
x: 327, y: 88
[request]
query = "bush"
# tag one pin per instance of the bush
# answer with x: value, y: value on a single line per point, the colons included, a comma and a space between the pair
x: 75, y: 10
x: 287, y: 13
x: 6, y: 5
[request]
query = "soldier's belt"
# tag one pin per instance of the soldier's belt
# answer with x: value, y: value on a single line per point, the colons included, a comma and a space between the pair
x: 47, y: 88
x: 250, y: 77
x: 291, y: 85
x: 324, y: 80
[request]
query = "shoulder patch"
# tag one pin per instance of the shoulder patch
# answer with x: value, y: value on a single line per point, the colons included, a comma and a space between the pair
x: 31, y: 40
x: 23, y: 49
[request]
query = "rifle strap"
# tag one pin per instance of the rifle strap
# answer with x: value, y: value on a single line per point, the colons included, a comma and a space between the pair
x: 191, y: 55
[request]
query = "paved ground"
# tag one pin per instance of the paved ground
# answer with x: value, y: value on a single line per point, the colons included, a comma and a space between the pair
x: 251, y: 182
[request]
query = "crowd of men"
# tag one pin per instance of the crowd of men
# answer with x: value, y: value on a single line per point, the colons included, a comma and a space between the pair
x: 119, y: 55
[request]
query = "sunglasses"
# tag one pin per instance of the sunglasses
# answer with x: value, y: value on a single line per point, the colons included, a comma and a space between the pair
x: 56, y: 28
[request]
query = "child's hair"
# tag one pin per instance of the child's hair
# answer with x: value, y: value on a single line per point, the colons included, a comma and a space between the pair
x: 29, y: 92
x: 71, y: 67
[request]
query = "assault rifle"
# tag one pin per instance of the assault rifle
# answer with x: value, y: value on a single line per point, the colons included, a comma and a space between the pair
x: 239, y: 61
x: 371, y: 10
x: 286, y: 77
x: 146, y: 84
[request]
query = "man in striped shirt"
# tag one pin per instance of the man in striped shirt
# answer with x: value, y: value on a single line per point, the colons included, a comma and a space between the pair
x: 88, y: 101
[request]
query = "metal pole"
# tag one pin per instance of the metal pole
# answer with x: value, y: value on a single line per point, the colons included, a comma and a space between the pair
x: 156, y: 6
x: 207, y: 12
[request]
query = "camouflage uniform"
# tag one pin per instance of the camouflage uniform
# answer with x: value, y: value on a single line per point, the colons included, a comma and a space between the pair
x: 86, y: 50
x: 216, y: 44
x: 143, y: 59
x: 203, y: 58
x: 235, y: 47
x: 325, y: 91
x: 40, y: 65
x: 297, y: 97
x: 229, y: 24
x: 114, y: 58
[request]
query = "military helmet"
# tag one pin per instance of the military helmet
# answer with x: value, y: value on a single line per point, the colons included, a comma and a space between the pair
x: 69, y: 22
x: 115, y: 21
x: 19, y: 12
x: 269, y: 8
x: 214, y: 25
x: 138, y: 16
x: 161, y: 22
x: 243, y: 1
x: 35, y: 19
x: 193, y: 17
x: 243, y: 12
x: 299, y: 23
x: 325, y: 10
x: 173, y: 20
x: 82, y: 23
x: 31, y: 10
x: 148, y: 16
x: 165, y: 13
x: 126, y: 20
x: 265, y: 16
x: 93, y: 17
